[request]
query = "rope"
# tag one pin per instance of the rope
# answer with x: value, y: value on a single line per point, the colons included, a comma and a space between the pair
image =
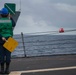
x: 20, y: 5
x: 51, y: 32
x: 70, y: 30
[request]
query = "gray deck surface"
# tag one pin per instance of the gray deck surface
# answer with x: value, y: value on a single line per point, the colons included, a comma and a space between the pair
x: 47, y: 62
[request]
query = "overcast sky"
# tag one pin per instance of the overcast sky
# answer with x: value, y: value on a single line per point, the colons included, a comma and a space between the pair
x: 44, y: 15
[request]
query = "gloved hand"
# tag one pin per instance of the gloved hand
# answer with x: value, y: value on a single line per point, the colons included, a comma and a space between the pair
x: 4, y: 39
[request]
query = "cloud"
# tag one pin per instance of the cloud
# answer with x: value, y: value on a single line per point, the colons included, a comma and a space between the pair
x: 30, y: 25
x: 65, y: 7
x: 37, y: 1
x: 44, y: 15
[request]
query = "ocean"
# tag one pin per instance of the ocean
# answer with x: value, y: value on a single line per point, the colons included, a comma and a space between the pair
x: 43, y: 45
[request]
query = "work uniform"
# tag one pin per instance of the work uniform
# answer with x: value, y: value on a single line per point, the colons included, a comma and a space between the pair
x: 5, y: 31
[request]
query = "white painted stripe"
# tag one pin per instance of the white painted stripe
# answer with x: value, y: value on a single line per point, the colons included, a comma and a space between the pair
x: 5, y: 21
x: 42, y: 70
x: 15, y: 73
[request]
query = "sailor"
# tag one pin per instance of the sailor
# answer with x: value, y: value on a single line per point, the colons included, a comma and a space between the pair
x: 6, y: 31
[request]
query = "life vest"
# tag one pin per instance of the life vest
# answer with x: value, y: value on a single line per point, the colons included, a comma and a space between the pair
x: 6, y: 27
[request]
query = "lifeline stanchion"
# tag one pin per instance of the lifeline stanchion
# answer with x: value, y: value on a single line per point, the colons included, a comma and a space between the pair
x: 23, y: 44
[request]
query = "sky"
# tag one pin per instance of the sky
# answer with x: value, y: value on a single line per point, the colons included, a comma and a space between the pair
x: 44, y: 15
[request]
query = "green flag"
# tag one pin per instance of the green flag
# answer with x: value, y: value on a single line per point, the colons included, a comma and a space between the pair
x: 11, y: 7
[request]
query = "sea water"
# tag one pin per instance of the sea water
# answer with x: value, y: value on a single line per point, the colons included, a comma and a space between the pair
x: 41, y: 45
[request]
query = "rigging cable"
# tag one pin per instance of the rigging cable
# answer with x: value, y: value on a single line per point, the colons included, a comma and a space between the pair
x: 51, y: 32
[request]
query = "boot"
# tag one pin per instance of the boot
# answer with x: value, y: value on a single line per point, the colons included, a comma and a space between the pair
x: 2, y: 68
x: 7, y: 68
